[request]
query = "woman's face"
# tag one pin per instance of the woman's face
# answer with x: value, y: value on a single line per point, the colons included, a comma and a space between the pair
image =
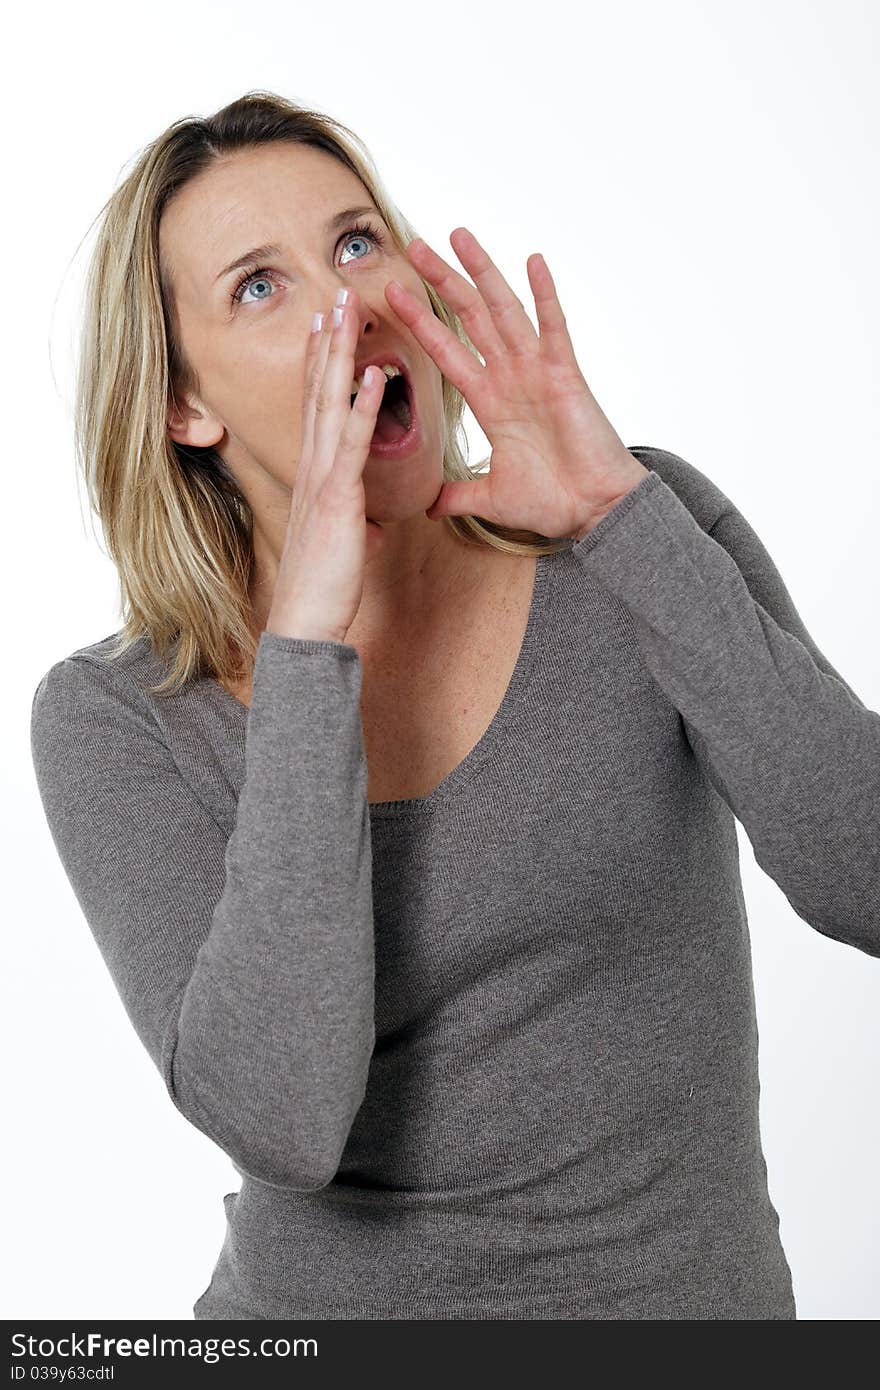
x: 247, y: 341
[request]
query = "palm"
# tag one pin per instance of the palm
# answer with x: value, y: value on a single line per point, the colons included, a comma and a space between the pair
x: 556, y: 459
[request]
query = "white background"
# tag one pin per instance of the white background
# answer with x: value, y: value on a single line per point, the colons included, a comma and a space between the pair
x: 702, y: 180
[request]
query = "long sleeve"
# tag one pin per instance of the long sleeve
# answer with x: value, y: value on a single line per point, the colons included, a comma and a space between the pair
x: 245, y: 961
x: 780, y: 735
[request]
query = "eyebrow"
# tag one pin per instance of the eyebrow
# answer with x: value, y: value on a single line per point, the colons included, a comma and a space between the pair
x: 271, y: 248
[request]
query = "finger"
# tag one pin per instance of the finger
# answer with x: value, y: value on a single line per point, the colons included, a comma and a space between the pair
x: 460, y: 295
x: 551, y: 320
x: 493, y: 309
x: 457, y: 363
x: 316, y: 356
x: 333, y: 397
x: 353, y: 448
x: 464, y: 498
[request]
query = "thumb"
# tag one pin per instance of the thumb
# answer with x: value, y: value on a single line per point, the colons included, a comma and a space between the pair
x: 462, y: 499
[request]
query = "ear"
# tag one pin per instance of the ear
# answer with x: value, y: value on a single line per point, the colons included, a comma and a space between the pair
x: 193, y: 424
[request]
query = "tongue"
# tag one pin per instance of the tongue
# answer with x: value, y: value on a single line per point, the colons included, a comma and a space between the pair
x: 388, y: 427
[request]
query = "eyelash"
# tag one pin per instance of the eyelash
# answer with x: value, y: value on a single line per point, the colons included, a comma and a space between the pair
x: 361, y: 229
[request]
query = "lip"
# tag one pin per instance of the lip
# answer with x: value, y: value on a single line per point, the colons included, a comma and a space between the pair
x: 412, y: 440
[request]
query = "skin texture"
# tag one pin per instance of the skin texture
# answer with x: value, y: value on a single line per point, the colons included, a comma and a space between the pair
x: 249, y: 360
x: 557, y: 464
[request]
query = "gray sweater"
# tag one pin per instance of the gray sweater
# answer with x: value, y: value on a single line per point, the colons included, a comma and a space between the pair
x: 491, y: 1052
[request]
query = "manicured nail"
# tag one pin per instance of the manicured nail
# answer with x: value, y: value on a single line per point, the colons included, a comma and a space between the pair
x: 317, y: 322
x: 337, y: 316
x: 342, y: 296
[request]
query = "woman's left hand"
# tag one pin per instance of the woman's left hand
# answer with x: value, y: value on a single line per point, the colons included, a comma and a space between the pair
x: 557, y: 465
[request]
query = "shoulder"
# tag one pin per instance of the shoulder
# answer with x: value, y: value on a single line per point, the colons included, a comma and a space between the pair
x: 89, y: 689
x: 109, y: 662
x: 722, y: 519
x: 703, y: 498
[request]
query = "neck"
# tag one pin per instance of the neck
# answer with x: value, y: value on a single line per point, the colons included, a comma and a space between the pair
x: 422, y: 569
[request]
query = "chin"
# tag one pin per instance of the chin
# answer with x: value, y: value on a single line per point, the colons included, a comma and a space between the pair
x: 402, y: 491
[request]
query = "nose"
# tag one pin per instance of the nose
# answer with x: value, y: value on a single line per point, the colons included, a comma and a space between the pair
x: 367, y: 319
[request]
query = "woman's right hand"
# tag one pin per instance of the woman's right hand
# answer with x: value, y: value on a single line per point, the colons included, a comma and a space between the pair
x: 329, y: 539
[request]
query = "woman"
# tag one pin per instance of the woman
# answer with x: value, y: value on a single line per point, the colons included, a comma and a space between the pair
x: 411, y: 847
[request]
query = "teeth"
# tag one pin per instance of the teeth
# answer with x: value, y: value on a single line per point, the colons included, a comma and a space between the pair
x: 358, y: 381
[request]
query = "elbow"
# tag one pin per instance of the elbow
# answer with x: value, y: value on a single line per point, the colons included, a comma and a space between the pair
x: 294, y: 1152
x: 293, y: 1141
x: 301, y: 1157
x: 308, y: 1175
x: 862, y: 936
x: 861, y: 929
x: 836, y: 892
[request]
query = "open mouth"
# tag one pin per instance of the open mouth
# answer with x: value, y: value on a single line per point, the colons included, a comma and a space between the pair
x: 396, y: 414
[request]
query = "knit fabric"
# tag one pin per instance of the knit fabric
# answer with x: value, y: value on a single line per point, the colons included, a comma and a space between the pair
x: 491, y: 1052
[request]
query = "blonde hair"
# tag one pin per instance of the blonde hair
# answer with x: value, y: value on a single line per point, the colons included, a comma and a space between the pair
x: 176, y: 524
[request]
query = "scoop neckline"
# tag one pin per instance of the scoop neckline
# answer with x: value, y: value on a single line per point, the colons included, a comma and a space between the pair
x: 470, y: 764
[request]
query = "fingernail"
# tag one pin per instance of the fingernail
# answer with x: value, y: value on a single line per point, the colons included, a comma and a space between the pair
x: 337, y: 317
x: 317, y: 322
x: 342, y: 296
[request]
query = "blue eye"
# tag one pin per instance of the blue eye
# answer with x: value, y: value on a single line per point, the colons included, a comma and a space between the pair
x: 367, y: 233
x: 264, y: 275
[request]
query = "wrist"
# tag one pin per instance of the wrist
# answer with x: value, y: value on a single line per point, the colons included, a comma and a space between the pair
x: 597, y: 513
x: 290, y: 624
